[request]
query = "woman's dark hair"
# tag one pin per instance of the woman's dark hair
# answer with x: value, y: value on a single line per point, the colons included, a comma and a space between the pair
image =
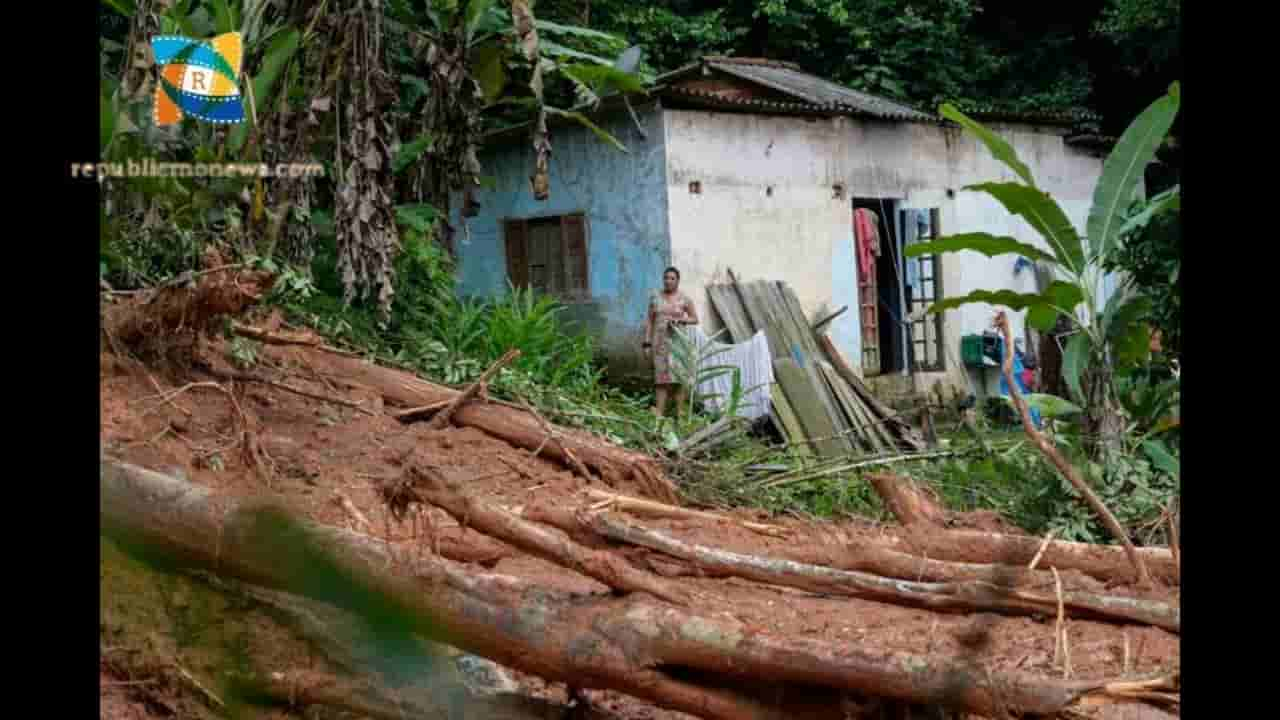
x: 672, y: 270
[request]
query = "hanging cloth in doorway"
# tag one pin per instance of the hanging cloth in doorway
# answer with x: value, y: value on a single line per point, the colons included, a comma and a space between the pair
x: 915, y: 226
x: 755, y: 372
x: 866, y: 232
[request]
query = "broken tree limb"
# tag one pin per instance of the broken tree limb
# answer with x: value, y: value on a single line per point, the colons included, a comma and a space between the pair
x: 642, y: 507
x: 269, y: 337
x: 908, y: 502
x: 604, y: 567
x: 442, y: 418
x: 614, y: 464
x: 622, y: 644
x: 1060, y: 462
x: 964, y: 596
x: 421, y: 413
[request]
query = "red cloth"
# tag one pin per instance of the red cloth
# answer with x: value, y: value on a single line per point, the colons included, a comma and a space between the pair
x: 867, y: 241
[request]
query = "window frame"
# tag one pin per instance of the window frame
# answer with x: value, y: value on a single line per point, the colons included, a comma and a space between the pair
x: 575, y: 282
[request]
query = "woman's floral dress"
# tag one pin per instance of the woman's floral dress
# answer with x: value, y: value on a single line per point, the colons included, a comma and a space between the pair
x: 665, y: 310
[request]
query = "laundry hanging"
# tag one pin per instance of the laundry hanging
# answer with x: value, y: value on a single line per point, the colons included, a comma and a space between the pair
x: 866, y: 231
x: 915, y: 226
x: 755, y: 370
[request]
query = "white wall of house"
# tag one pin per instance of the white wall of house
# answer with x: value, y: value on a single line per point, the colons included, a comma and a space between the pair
x: 766, y: 210
x: 767, y: 207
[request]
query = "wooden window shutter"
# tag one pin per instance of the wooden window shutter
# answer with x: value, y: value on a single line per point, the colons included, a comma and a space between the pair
x: 576, y: 264
x: 516, y: 234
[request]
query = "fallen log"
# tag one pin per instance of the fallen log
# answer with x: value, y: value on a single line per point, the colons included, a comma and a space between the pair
x: 356, y: 685
x: 608, y: 568
x: 966, y: 596
x: 907, y: 501
x: 625, y: 644
x: 862, y: 556
x: 302, y: 688
x: 614, y: 464
x: 1104, y: 562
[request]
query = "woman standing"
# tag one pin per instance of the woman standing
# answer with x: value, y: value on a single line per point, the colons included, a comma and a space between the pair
x: 667, y: 309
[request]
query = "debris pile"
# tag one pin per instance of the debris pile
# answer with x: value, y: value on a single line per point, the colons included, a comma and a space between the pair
x: 819, y: 401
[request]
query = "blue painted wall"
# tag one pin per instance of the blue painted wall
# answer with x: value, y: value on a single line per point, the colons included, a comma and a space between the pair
x: 624, y: 197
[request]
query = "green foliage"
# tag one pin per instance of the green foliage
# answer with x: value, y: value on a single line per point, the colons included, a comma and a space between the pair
x: 410, y: 152
x: 243, y: 353
x: 1112, y: 339
x: 691, y: 367
x: 999, y: 147
x: 1017, y: 482
x: 1150, y: 254
x: 1124, y: 168
x: 1050, y: 406
x: 595, y: 129
x: 550, y: 351
x: 984, y: 243
x: 1147, y: 32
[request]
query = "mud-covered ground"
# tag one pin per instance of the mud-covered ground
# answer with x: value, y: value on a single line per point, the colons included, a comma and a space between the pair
x: 314, y: 452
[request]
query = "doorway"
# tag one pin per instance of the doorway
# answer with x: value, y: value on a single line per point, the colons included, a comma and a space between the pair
x: 880, y: 299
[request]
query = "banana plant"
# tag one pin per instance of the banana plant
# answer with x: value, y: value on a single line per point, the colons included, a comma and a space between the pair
x: 1108, y: 335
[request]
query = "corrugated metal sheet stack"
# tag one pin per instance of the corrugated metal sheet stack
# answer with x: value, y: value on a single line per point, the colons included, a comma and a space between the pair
x: 819, y: 402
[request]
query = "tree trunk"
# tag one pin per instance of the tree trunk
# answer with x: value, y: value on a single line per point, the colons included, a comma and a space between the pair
x: 859, y: 556
x: 607, y: 568
x: 1103, y: 421
x: 967, y: 596
x: 397, y: 387
x: 626, y: 644
x: 1104, y: 562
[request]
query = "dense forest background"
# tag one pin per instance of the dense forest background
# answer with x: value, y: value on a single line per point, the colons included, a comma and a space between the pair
x: 1104, y: 57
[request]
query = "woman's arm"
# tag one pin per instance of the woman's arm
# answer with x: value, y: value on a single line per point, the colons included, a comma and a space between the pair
x: 691, y: 313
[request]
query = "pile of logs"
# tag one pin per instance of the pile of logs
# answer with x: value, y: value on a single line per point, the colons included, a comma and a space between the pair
x: 653, y: 636
x: 646, y: 637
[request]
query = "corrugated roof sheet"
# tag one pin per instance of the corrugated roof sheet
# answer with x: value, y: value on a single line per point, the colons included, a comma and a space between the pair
x: 812, y: 95
x: 788, y: 78
x: 713, y: 101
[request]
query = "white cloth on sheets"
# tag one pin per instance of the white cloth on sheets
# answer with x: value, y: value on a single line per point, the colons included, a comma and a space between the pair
x: 755, y: 369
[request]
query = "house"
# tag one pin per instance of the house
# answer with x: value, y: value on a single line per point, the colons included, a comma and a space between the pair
x: 756, y: 167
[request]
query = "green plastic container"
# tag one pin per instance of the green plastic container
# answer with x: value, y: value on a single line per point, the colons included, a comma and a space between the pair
x: 971, y: 350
